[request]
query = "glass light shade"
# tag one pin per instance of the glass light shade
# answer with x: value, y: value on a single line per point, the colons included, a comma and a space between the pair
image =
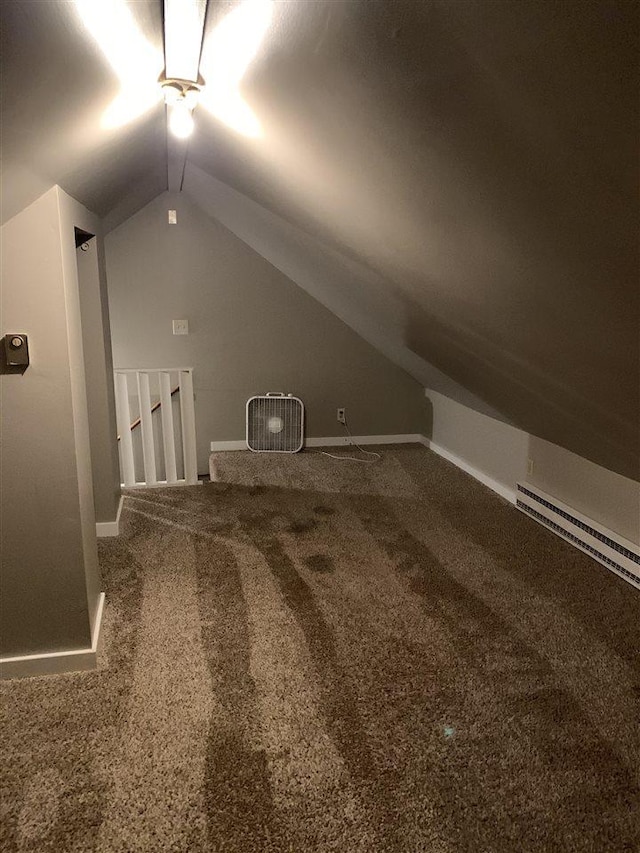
x: 171, y: 92
x: 191, y: 97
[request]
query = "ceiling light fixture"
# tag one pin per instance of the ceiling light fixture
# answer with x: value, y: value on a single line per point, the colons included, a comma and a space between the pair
x: 181, y: 84
x: 226, y: 55
x: 181, y: 98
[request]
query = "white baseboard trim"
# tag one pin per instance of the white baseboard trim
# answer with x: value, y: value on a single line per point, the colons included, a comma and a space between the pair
x: 55, y: 663
x: 341, y: 440
x: 162, y: 484
x: 110, y: 528
x: 332, y: 441
x: 228, y: 445
x: 499, y: 488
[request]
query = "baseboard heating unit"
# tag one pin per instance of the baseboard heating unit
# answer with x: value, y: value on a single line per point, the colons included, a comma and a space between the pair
x: 613, y: 551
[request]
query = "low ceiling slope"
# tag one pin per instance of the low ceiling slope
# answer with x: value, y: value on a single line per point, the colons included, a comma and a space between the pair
x: 474, y: 163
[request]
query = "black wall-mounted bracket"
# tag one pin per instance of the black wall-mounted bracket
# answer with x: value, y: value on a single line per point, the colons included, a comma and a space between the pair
x: 15, y: 351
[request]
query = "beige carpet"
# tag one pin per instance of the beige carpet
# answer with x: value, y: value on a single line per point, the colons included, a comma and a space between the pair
x: 314, y: 655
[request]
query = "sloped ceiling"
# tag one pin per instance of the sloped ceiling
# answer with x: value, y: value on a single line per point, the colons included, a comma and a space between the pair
x: 475, y: 162
x: 362, y: 299
x: 55, y: 85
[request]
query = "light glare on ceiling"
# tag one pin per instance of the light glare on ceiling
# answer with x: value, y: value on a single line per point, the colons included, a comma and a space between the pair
x: 231, y: 47
x: 232, y: 109
x: 226, y: 55
x: 134, y: 59
x: 128, y: 105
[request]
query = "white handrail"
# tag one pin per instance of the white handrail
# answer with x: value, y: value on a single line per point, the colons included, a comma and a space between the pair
x: 150, y: 454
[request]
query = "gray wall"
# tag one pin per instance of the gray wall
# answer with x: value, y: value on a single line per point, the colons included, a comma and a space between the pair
x: 501, y: 453
x: 491, y: 447
x: 50, y: 579
x: 607, y: 497
x: 98, y: 365
x: 252, y: 330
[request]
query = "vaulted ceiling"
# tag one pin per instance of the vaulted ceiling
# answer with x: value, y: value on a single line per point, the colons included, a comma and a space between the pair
x: 471, y: 163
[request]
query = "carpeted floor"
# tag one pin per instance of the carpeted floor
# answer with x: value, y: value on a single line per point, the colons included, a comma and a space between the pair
x: 313, y: 655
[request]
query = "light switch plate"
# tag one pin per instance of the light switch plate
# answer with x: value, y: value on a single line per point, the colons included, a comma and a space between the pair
x: 180, y: 327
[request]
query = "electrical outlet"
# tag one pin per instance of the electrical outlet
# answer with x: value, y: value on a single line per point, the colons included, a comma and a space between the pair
x: 342, y: 417
x: 529, y: 466
x: 180, y: 327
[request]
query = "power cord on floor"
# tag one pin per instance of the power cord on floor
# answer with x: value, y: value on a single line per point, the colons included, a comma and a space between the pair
x: 353, y: 443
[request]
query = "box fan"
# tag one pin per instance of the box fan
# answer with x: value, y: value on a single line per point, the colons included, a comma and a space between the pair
x: 275, y: 423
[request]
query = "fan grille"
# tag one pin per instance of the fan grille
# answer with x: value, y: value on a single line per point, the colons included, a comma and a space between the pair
x: 275, y: 424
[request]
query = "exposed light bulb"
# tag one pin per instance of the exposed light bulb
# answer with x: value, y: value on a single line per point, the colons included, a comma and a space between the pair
x: 181, y: 120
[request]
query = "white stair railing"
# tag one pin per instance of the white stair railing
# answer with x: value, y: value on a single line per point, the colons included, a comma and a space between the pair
x: 140, y: 393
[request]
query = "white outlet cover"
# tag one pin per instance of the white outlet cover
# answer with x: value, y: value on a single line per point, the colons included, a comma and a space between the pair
x: 180, y: 327
x: 173, y: 217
